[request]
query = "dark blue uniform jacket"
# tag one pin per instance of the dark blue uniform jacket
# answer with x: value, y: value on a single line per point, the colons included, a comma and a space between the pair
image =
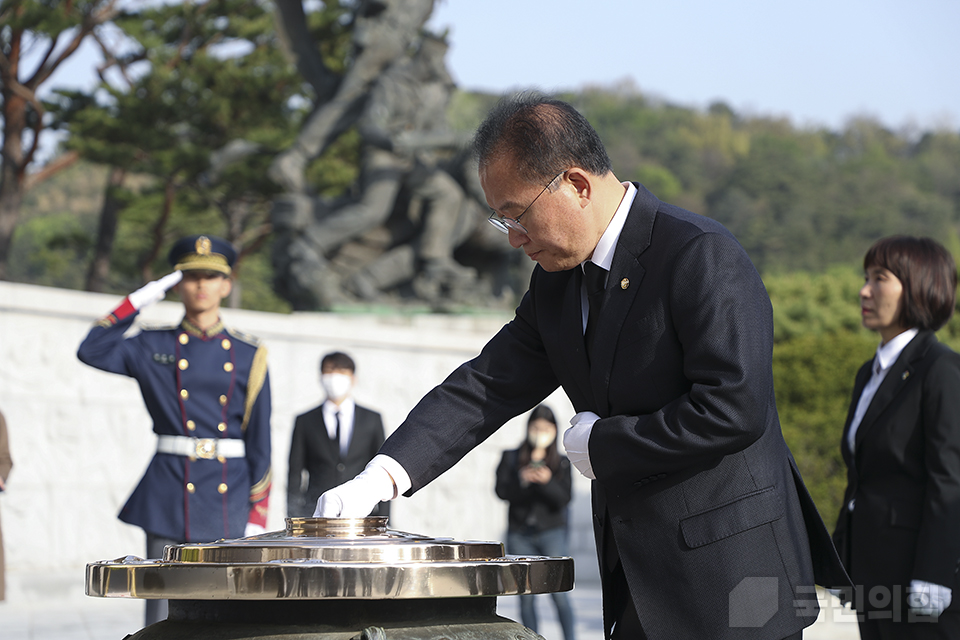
x: 199, y: 384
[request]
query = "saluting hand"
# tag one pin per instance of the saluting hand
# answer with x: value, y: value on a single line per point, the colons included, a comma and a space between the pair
x: 154, y: 291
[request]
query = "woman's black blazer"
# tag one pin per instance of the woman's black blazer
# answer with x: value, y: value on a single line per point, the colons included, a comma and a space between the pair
x: 904, y: 476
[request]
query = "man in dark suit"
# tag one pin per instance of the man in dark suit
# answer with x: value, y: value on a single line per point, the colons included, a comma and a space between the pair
x: 703, y: 525
x: 332, y: 442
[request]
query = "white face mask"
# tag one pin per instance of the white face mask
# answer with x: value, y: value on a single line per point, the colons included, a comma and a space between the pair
x: 540, y: 439
x: 337, y: 385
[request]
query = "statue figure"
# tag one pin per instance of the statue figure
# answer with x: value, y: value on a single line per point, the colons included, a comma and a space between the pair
x: 415, y: 204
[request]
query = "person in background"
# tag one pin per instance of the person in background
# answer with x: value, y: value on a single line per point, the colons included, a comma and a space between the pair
x: 207, y: 390
x: 6, y: 464
x: 898, y: 531
x: 536, y: 480
x: 333, y: 442
x: 659, y: 329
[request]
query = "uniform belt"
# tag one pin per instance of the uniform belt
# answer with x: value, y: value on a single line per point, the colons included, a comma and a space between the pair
x: 207, y: 448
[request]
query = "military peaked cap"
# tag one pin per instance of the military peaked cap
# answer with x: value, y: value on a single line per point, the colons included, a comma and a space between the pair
x: 209, y: 253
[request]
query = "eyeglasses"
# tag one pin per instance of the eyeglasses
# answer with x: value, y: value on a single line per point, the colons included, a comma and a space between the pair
x: 506, y: 224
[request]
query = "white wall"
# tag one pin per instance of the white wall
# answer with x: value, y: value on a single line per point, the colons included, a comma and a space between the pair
x: 80, y: 438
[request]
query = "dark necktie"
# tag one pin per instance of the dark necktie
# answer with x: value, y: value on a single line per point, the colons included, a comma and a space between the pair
x: 338, y: 433
x: 595, y: 278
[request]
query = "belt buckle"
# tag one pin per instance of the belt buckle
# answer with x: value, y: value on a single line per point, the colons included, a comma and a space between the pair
x: 206, y: 448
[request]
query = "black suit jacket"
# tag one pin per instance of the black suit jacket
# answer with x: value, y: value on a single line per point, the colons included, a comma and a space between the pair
x: 706, y: 505
x: 905, y: 476
x: 312, y: 450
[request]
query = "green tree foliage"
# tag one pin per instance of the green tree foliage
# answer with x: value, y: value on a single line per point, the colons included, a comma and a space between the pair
x: 813, y: 376
x: 797, y: 199
x: 806, y: 303
x: 52, y: 31
x: 210, y: 98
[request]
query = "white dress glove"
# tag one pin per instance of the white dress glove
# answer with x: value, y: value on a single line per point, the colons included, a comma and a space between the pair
x: 928, y: 599
x: 153, y: 291
x: 253, y: 529
x: 576, y: 441
x: 357, y: 498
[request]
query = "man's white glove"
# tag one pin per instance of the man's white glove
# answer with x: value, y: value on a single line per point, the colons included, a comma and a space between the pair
x: 357, y: 498
x: 153, y: 291
x: 576, y: 441
x: 928, y: 599
x: 253, y: 529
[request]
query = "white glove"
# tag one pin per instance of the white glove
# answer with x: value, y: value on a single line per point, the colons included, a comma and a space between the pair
x: 357, y: 498
x: 928, y: 599
x: 153, y: 291
x: 576, y: 441
x: 253, y: 529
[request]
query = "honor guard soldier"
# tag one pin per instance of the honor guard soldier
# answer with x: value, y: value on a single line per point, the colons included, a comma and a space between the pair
x: 207, y: 390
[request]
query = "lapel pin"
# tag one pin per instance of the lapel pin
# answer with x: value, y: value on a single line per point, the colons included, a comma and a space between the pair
x: 906, y: 374
x: 625, y: 283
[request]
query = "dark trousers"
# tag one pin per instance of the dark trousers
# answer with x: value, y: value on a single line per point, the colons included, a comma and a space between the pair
x: 552, y: 542
x: 157, y: 609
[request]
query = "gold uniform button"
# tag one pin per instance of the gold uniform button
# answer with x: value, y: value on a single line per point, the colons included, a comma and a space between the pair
x: 225, y: 343
x: 190, y: 487
x: 223, y: 401
x: 191, y: 425
x: 222, y: 488
x: 183, y: 338
x: 183, y: 364
x: 228, y: 366
x: 221, y: 460
x: 222, y: 426
x: 184, y: 394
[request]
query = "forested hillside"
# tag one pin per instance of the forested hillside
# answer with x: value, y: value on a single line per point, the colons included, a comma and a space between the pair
x: 795, y: 198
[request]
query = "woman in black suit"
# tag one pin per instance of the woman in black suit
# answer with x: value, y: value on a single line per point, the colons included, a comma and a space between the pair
x: 899, y: 527
x: 535, y: 479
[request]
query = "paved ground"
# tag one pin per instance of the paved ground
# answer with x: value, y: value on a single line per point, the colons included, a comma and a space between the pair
x: 82, y: 618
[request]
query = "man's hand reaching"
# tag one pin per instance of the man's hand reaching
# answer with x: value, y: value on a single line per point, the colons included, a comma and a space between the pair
x: 358, y: 497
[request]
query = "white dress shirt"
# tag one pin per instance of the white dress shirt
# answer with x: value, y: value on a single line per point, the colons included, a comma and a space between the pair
x: 346, y: 410
x: 603, y: 253
x: 887, y: 354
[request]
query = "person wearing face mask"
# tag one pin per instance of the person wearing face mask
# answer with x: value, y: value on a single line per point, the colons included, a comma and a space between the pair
x: 332, y: 442
x: 535, y: 479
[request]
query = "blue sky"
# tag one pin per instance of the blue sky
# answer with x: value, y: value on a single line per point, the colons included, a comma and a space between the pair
x: 817, y: 62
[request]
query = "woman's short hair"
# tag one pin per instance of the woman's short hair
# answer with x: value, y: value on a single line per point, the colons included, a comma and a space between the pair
x: 928, y: 274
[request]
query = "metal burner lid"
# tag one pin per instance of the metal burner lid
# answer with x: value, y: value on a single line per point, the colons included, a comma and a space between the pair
x: 356, y: 558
